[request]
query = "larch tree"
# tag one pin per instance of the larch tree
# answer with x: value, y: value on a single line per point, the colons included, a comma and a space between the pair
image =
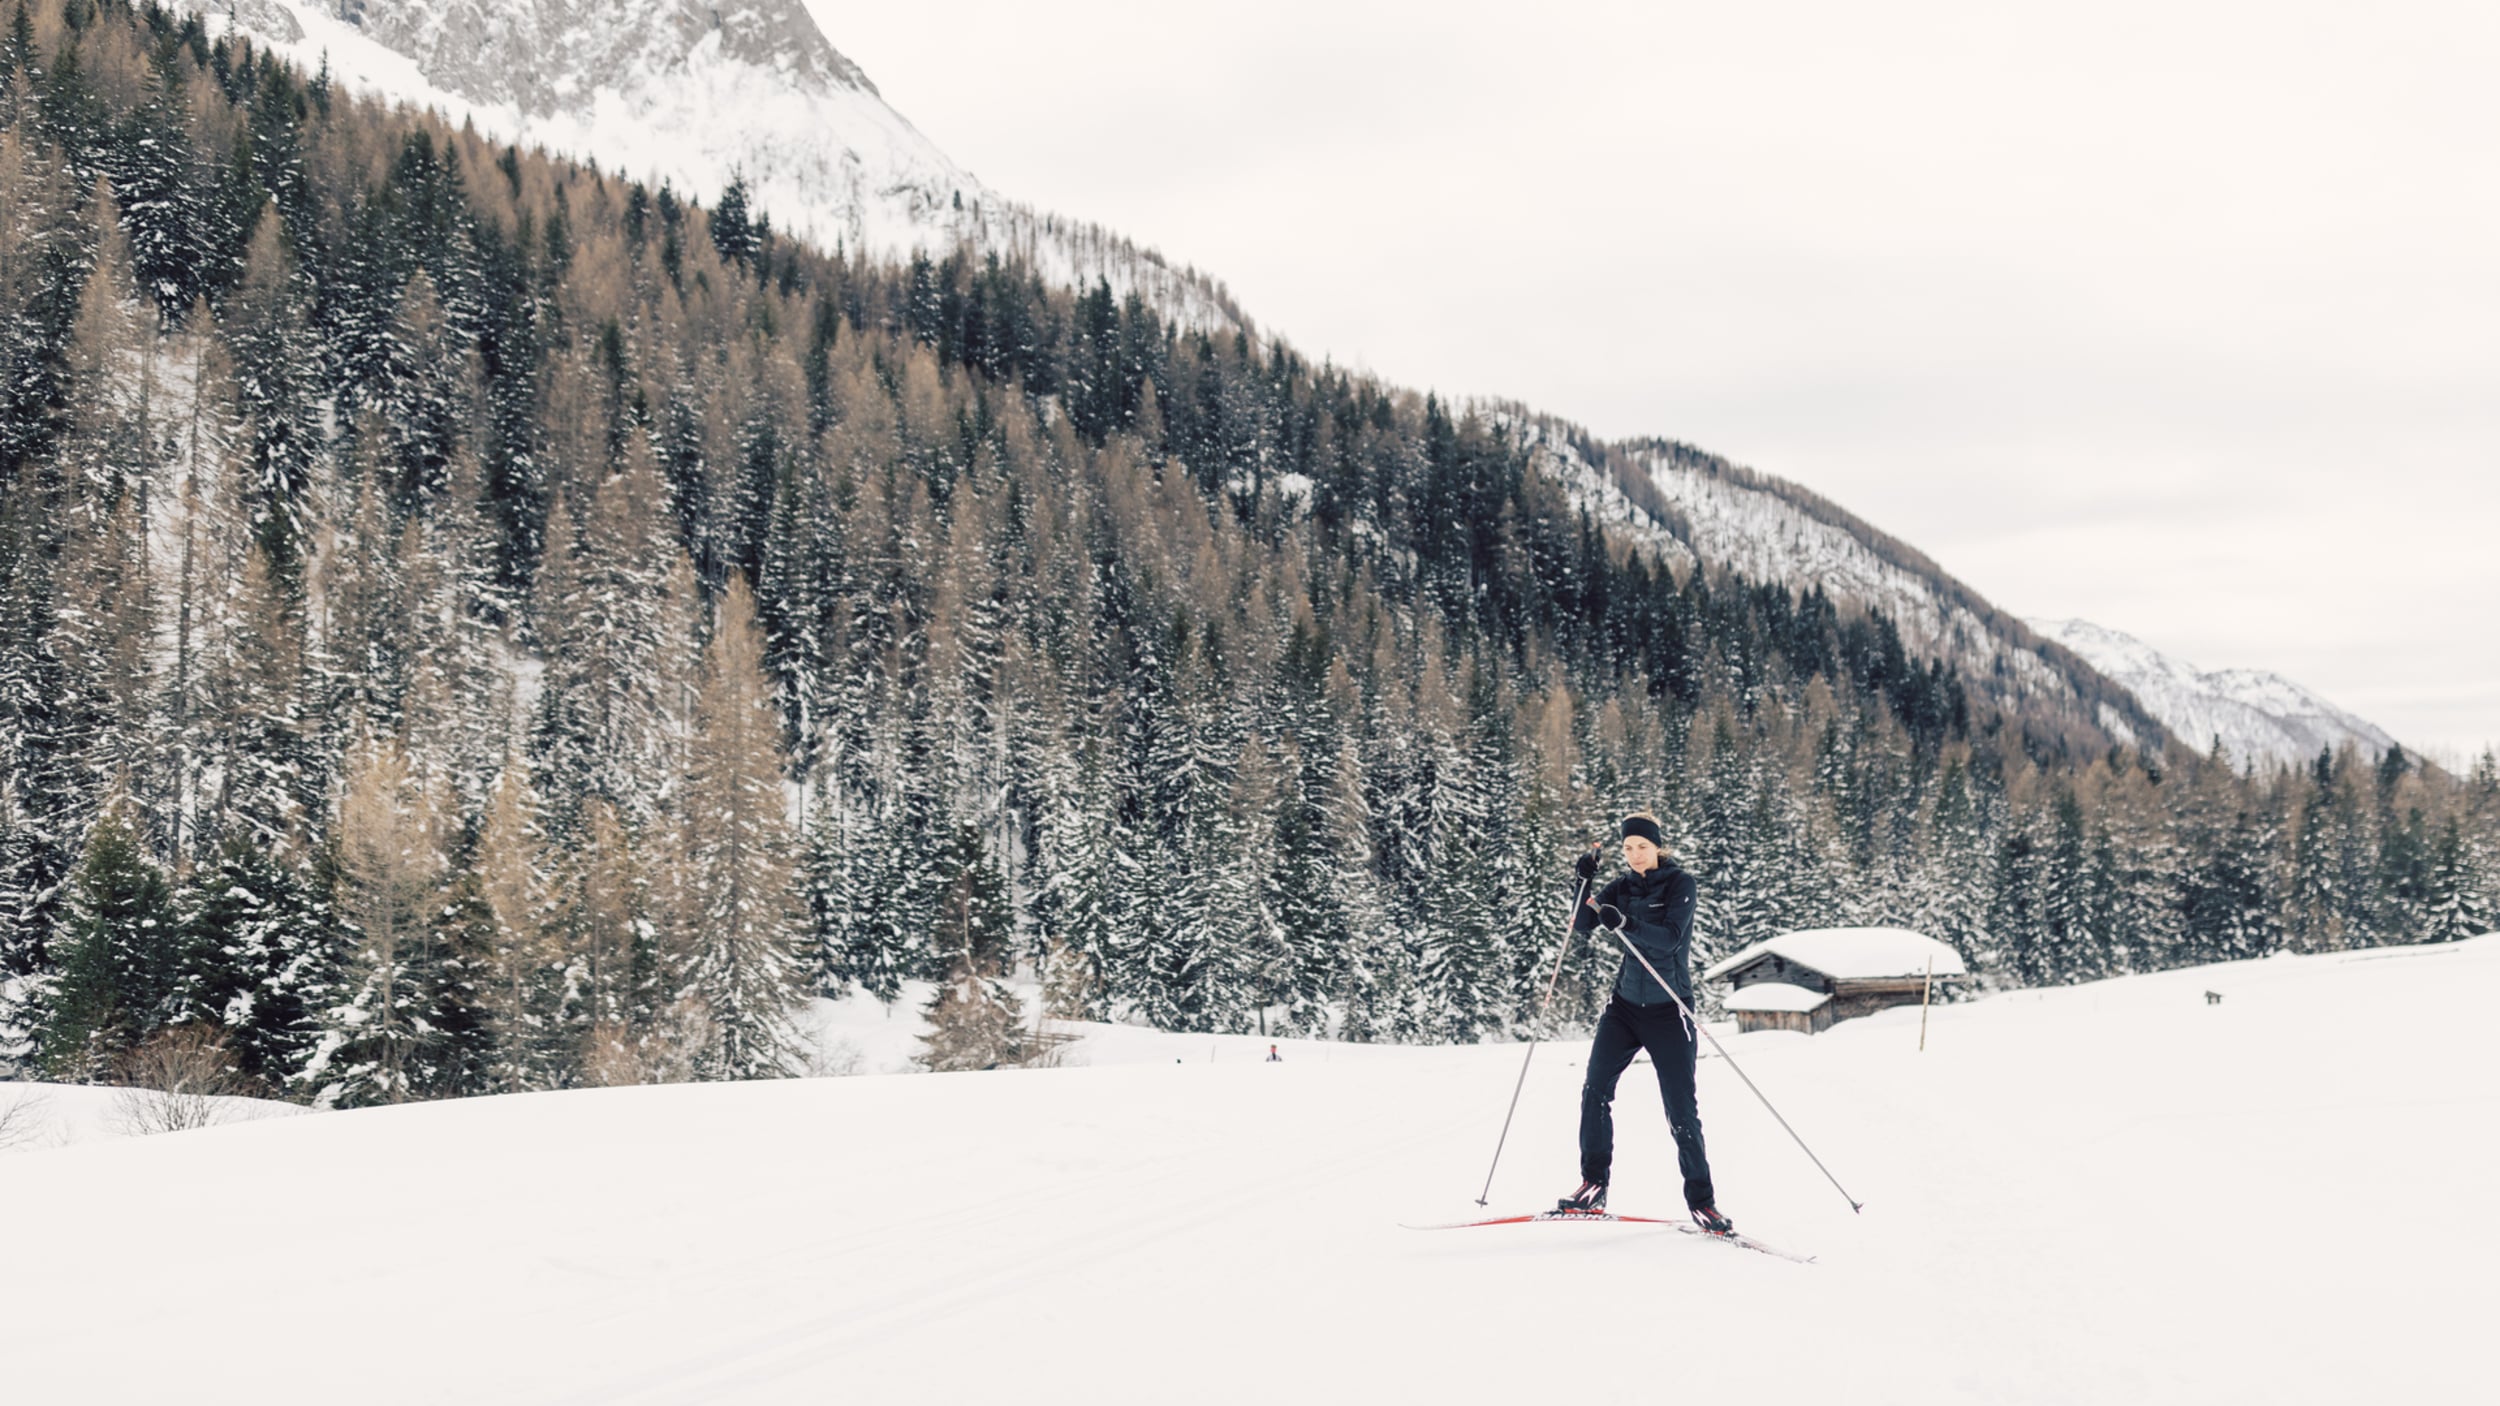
x: 390, y: 863
x: 523, y: 986
x: 743, y: 950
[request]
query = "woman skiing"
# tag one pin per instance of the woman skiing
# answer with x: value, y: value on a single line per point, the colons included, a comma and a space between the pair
x: 1652, y: 908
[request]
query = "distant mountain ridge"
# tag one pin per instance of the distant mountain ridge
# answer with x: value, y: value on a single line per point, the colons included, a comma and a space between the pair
x: 2255, y: 714
x: 698, y: 96
x: 1693, y: 507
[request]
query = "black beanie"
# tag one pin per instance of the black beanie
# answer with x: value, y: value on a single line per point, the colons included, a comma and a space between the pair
x: 1644, y: 827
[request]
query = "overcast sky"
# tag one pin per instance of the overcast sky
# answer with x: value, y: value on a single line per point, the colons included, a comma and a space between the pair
x: 2180, y: 317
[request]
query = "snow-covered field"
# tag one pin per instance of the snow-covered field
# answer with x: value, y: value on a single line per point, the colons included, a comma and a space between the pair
x: 37, y: 1117
x: 2112, y: 1193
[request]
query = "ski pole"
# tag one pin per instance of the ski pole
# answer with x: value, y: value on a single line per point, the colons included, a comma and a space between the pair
x: 1629, y: 946
x: 1547, y: 999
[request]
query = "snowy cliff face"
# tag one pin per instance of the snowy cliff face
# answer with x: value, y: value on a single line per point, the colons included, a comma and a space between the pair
x: 695, y: 95
x: 2258, y: 716
x: 534, y: 54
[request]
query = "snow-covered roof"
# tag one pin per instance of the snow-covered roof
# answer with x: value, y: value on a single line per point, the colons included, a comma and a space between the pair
x: 1851, y: 954
x: 1765, y: 996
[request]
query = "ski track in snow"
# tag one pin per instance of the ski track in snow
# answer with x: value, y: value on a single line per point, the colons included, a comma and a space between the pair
x: 2108, y: 1193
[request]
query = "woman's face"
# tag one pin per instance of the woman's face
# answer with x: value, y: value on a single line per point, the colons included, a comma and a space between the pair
x: 1639, y: 853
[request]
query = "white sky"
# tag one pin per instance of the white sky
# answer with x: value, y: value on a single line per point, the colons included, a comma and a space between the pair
x: 2182, y: 317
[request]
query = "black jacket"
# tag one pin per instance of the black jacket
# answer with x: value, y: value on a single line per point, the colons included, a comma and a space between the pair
x: 1658, y: 917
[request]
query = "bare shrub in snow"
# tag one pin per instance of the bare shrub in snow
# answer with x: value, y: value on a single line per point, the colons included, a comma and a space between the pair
x: 174, y: 1081
x: 665, y: 1054
x: 975, y: 1022
x: 834, y: 1058
x: 21, y: 1119
x: 615, y: 1057
x: 1046, y: 1048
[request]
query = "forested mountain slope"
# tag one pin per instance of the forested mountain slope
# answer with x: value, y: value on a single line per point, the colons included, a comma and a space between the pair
x: 1696, y: 508
x: 469, y: 621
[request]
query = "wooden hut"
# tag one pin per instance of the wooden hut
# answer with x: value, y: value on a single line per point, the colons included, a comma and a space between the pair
x: 1776, y: 1005
x: 1805, y: 981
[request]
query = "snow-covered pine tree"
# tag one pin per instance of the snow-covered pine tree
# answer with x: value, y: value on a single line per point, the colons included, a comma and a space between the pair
x: 119, y: 962
x: 975, y: 1020
x: 898, y: 872
x: 277, y: 383
x: 1956, y: 866
x: 1073, y: 903
x: 39, y: 843
x: 2015, y: 920
x: 2317, y: 907
x: 2224, y: 901
x: 1473, y: 806
x: 798, y: 595
x: 1532, y: 879
x: 1183, y: 975
x: 1341, y: 968
x: 421, y: 403
x: 829, y: 889
x: 2460, y: 903
x: 1245, y: 892
x: 365, y: 653
x: 743, y: 958
x: 168, y: 188
x: 459, y: 706
x: 2401, y: 868
x: 1299, y: 978
x: 638, y: 631
x: 1751, y: 855
x: 2482, y: 788
x: 265, y: 959
x: 270, y: 771
x: 461, y: 1058
x: 2072, y: 935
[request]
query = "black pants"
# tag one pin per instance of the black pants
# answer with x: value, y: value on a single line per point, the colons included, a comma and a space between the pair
x: 1661, y: 1030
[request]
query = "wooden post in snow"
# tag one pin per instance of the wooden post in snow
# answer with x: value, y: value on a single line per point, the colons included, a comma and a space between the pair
x: 1925, y: 995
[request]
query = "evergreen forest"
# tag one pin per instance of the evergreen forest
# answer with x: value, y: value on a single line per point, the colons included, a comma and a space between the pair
x: 471, y: 622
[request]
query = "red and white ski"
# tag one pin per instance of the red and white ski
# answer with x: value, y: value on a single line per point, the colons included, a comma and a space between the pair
x: 1684, y: 1226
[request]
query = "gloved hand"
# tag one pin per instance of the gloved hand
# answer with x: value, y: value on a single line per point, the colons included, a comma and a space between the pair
x: 1586, y: 868
x: 1609, y: 917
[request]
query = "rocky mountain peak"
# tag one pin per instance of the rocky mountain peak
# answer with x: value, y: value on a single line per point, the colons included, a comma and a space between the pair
x: 551, y: 56
x: 2256, y: 715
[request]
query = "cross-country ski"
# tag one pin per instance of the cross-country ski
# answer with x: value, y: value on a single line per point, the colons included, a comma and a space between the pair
x: 1612, y: 1217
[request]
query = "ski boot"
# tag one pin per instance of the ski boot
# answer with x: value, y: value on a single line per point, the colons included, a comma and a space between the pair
x: 1589, y: 1199
x: 1709, y: 1219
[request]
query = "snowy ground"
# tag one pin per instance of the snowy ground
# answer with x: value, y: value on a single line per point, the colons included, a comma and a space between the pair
x: 2115, y: 1193
x: 859, y: 1035
x: 38, y: 1117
